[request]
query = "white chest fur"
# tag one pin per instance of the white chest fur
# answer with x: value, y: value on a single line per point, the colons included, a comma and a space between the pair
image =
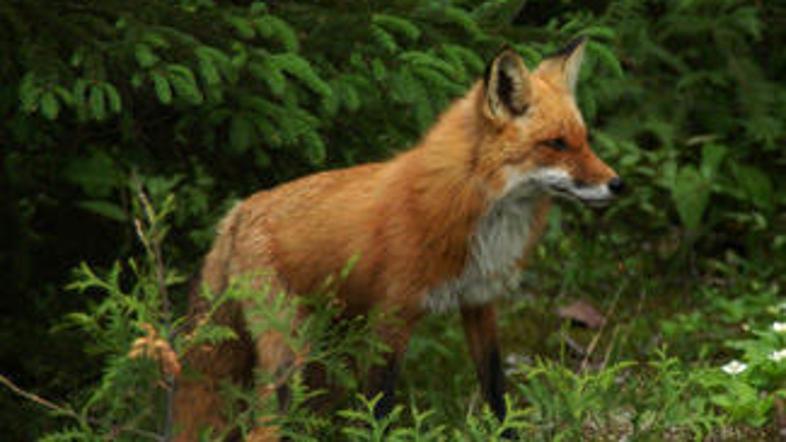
x: 496, y: 246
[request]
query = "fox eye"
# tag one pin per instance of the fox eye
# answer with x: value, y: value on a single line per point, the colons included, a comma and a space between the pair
x: 557, y: 144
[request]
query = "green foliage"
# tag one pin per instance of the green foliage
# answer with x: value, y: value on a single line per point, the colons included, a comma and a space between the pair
x: 129, y: 396
x: 747, y: 390
x: 692, y: 187
x: 209, y: 101
x: 617, y: 402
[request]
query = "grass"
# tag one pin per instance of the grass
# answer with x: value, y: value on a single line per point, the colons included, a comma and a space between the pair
x: 652, y: 371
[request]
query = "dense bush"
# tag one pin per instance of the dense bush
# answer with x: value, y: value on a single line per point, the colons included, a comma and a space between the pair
x: 208, y: 101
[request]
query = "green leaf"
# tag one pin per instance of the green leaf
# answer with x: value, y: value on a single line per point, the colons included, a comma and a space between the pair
x: 186, y: 89
x: 384, y: 39
x: 63, y: 94
x: 77, y: 57
x: 405, y: 87
x: 419, y: 58
x: 529, y: 53
x: 756, y: 183
x: 331, y: 104
x: 145, y: 55
x: 113, y: 97
x: 606, y: 58
x: 184, y: 82
x: 163, y: 89
x: 462, y: 19
x: 97, y: 103
x: 242, y: 27
x: 257, y: 8
x: 155, y: 40
x: 181, y: 71
x: 96, y: 173
x: 601, y: 32
x: 378, y: 69
x: 49, y: 106
x: 270, y: 74
x: 261, y: 159
x: 213, y: 334
x: 29, y: 92
x: 107, y: 209
x: 712, y: 156
x: 468, y: 57
x: 398, y: 25
x: 80, y: 97
x: 270, y: 26
x: 241, y: 134
x: 691, y: 194
x: 349, y: 96
x: 209, y: 71
x: 301, y: 69
x: 217, y: 60
x: 315, y: 148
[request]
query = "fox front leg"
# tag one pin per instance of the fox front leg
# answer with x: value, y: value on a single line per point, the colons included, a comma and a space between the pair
x: 480, y: 329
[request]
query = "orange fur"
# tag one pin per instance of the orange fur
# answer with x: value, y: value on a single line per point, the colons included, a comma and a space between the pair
x: 411, y: 221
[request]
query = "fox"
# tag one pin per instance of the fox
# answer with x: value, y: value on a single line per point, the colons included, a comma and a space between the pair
x: 446, y: 225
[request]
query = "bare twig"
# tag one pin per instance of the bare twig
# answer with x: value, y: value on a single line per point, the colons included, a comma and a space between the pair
x: 38, y: 399
x: 152, y: 243
x: 610, y: 347
x: 627, y: 274
x: 574, y: 346
x: 780, y: 415
x: 151, y: 239
x: 69, y: 412
x: 169, y: 417
x: 596, y: 339
x: 284, y: 376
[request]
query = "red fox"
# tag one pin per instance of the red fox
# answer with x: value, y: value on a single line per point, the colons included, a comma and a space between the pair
x: 446, y: 224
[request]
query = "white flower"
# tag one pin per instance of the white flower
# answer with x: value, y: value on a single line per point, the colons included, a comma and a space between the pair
x: 778, y: 355
x: 734, y: 367
x: 779, y: 327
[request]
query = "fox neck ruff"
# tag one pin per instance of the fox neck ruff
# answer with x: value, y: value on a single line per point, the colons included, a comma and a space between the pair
x: 496, y: 249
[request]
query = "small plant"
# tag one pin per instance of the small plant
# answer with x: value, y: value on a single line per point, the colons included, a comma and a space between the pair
x: 132, y: 326
x: 748, y: 389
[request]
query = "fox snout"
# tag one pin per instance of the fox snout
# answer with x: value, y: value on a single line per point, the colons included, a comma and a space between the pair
x: 561, y: 183
x: 594, y: 182
x: 616, y: 185
x: 597, y: 195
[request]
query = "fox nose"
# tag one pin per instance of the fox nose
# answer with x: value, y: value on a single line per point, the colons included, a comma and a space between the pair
x: 616, y: 185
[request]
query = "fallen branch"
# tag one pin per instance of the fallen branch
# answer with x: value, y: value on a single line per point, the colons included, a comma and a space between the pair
x: 69, y: 412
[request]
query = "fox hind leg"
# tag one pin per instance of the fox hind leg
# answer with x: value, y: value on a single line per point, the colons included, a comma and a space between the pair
x: 276, y: 360
x: 198, y: 402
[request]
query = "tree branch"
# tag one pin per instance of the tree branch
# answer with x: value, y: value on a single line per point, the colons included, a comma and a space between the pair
x: 68, y: 411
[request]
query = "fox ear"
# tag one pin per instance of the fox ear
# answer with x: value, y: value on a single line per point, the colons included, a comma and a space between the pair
x: 566, y: 63
x: 506, y: 86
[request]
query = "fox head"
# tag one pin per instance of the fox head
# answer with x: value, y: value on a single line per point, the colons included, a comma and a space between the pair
x: 536, y: 139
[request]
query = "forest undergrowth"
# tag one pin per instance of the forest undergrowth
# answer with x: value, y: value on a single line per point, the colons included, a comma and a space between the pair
x: 131, y: 127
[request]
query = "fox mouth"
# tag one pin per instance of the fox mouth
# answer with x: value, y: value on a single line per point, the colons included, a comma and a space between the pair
x: 594, y: 198
x: 597, y: 203
x: 560, y: 183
